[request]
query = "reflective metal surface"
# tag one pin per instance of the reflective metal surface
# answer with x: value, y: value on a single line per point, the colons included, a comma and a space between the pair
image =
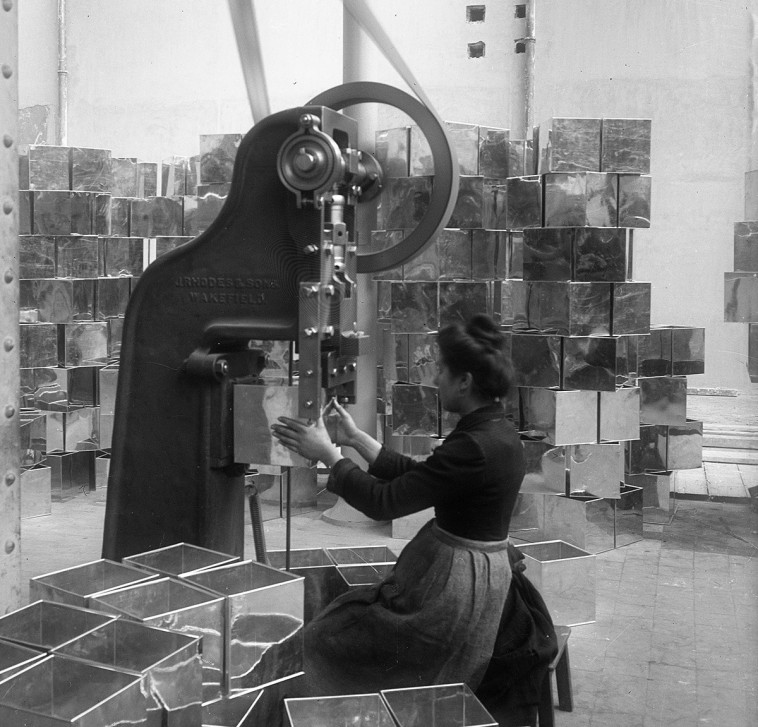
x: 179, y: 559
x: 620, y: 414
x: 361, y: 555
x: 626, y: 145
x: 741, y: 297
x: 112, y: 297
x: 657, y: 501
x: 596, y: 469
x: 545, y: 468
x: 599, y: 254
x: 82, y: 343
x: 403, y: 202
x: 36, y: 256
x: 565, y: 576
x: 57, y: 690
x: 168, y: 662
x: 14, y: 658
x: 687, y: 350
x: 77, y: 256
x: 591, y: 363
x: 38, y: 345
x: 71, y: 473
x: 73, y: 430
x: 393, y: 149
x: 256, y: 408
x: 627, y: 512
x: 76, y: 585
x: 413, y: 307
x: 631, y: 308
x: 581, y: 520
x: 57, y: 300
x: 179, y: 606
x: 524, y: 202
x: 364, y: 575
x: 358, y: 710
x: 459, y: 301
x: 635, y: 192
x: 560, y: 417
x: 46, y: 625
x: 569, y: 145
x: 685, y: 446
x: 35, y: 487
x: 263, y: 634
x: 441, y: 705
x: 663, y: 399
x: 648, y: 451
x: 536, y: 360
x: 415, y: 410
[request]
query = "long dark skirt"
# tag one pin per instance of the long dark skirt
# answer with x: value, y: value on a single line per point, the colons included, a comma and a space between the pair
x: 432, y: 620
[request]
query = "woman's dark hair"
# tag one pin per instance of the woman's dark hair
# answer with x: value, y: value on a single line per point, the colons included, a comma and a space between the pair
x: 478, y: 347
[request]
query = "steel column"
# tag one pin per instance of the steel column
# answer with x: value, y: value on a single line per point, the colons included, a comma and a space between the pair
x: 10, y: 500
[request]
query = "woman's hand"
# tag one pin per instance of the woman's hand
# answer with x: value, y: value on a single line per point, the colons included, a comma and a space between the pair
x: 346, y: 429
x: 308, y: 440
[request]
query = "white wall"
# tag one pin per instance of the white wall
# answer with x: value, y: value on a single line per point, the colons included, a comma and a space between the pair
x: 147, y: 77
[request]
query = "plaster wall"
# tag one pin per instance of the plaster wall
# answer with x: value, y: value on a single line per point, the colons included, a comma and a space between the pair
x: 146, y: 78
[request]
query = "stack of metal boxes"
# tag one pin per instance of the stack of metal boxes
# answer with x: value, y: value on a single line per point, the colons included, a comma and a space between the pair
x: 741, y: 285
x: 600, y: 400
x: 90, y: 224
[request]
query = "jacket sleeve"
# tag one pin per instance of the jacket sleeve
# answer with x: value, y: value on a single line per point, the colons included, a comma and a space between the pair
x: 455, y: 466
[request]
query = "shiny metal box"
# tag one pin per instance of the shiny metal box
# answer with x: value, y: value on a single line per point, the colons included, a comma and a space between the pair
x: 684, y: 448
x: 357, y: 710
x: 415, y: 410
x: 179, y: 559
x: 524, y: 201
x: 630, y: 311
x: 173, y: 174
x: 565, y: 576
x: 663, y: 399
x: 124, y: 173
x: 121, y: 213
x: 56, y: 300
x: 361, y: 555
x: 168, y: 663
x: 596, y: 469
x: 321, y: 583
x: 115, y: 331
x: 366, y: 574
x: 528, y: 518
x: 62, y: 213
x: 77, y: 256
x: 653, y: 352
x: 147, y: 179
x: 255, y: 409
x: 626, y: 146
x: 584, y: 521
x: 464, y: 139
x: 599, y: 254
x: 107, y: 383
x: 569, y: 145
x: 60, y: 388
x: 647, y: 452
x: 687, y: 350
x: 545, y: 468
x: 619, y: 415
x: 91, y: 169
x: 217, y: 155
x: 101, y: 215
x: 263, y: 632
x: 32, y: 436
x: 61, y: 691
x: 383, y: 240
x: 395, y: 356
x: 82, y: 343
x: 35, y: 487
x: 657, y: 489
x: 634, y: 200
x: 627, y: 511
x: 593, y: 363
x: 14, y: 658
x: 423, y: 354
x: 536, y: 359
x: 112, y: 297
x: 470, y: 211
x: 441, y: 705
x: 489, y: 254
x: 494, y: 153
x: 155, y: 216
x: 392, y: 152
x: 49, y: 167
x: 403, y: 202
x: 75, y: 586
x: 561, y: 417
x: 741, y: 297
x: 413, y: 307
x: 459, y: 301
x: 745, y: 246
x: 547, y: 253
x: 71, y: 473
x: 45, y: 625
x: 36, y: 256
x: 176, y: 605
x: 578, y: 199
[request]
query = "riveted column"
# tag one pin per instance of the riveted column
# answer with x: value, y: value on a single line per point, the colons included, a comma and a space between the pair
x: 10, y: 502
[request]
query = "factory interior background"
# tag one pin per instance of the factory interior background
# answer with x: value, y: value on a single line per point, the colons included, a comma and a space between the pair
x: 153, y: 82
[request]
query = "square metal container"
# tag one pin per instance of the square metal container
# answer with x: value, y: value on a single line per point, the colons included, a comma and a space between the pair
x: 255, y: 409
x: 101, y: 215
x: 115, y: 332
x: 62, y: 213
x: 156, y: 216
x: 580, y: 520
x: 579, y: 199
x: 57, y: 300
x: 619, y: 417
x: 38, y: 345
x: 71, y: 473
x: 49, y: 167
x: 536, y: 359
x: 630, y: 311
x: 107, y: 382
x: 168, y: 663
x: 173, y: 174
x: 520, y: 157
x: 33, y: 436
x: 469, y: 210
x: 647, y: 452
x: 685, y: 446
x: 561, y: 417
x: 392, y: 151
x: 357, y: 710
x: 626, y: 146
x: 459, y: 301
x: 596, y: 469
x: 494, y: 152
x: 528, y: 517
x: 124, y: 172
x: 321, y: 583
x: 14, y: 658
x: 663, y: 399
x: 367, y: 574
x: 60, y: 388
x: 75, y: 586
x: 634, y: 200
x: 565, y: 577
x: 442, y: 705
x: 77, y: 256
x: 102, y: 468
x: 112, y: 297
x: 263, y: 632
x: 592, y: 363
x: 599, y: 254
x: 515, y: 254
x: 403, y: 202
x: 545, y: 468
x: 745, y: 246
x: 413, y: 307
x: 653, y: 352
x: 524, y: 202
x: 60, y: 691
x: 25, y: 213
x: 179, y: 559
x: 74, y: 430
x: 687, y: 350
x: 35, y: 487
x: 231, y: 710
x: 453, y: 250
x: 741, y: 297
x: 121, y: 213
x: 415, y: 410
x: 570, y: 145
x: 547, y: 253
x: 361, y: 555
x: 147, y: 179
x: 45, y: 625
x: 627, y: 511
x: 423, y: 354
x: 36, y: 256
x: 217, y: 155
x: 91, y: 169
x: 383, y: 240
x: 177, y: 605
x: 489, y: 254
x: 657, y: 501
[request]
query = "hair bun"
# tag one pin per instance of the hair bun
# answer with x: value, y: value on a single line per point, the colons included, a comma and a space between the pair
x: 482, y: 328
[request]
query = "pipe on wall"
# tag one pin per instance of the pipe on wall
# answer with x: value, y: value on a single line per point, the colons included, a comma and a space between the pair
x: 62, y: 120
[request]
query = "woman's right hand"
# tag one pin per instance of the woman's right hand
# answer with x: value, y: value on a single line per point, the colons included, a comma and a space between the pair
x: 347, y: 430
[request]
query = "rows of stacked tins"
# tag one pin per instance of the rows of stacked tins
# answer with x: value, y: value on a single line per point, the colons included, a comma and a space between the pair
x: 89, y: 225
x: 741, y: 284
x: 542, y: 238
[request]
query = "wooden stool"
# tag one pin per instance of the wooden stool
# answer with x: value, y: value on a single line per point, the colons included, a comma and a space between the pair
x: 562, y: 668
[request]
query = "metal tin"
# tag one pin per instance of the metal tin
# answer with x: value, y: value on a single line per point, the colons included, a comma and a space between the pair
x: 101, y: 215
x: 57, y: 300
x: 545, y: 468
x: 494, y: 152
x: 468, y: 212
x: 361, y: 555
x: 71, y: 473
x: 155, y: 216
x: 382, y: 240
x: 124, y: 173
x: 627, y: 512
x: 93, y: 695
x: 536, y: 359
x: 630, y: 310
x: 560, y: 417
x: 647, y: 452
x: 403, y: 202
x: 14, y: 658
x: 107, y: 382
x: 634, y: 194
x: 360, y: 710
x: 619, y: 414
x: 684, y: 445
x: 121, y: 213
x: 415, y: 410
x: 596, y: 469
x: 547, y: 253
x: 122, y: 256
x: 179, y: 559
x: 49, y: 167
x: 38, y: 345
x: 393, y: 150
x: 654, y: 353
x: 570, y: 145
x: 91, y: 170
x: 82, y: 343
x: 524, y: 196
x: 657, y: 489
x: 413, y: 307
x: 111, y: 297
x: 422, y: 357
x: 663, y: 399
x: 565, y: 576
x: 626, y: 146
x: 459, y: 301
x: 437, y: 706
x: 36, y: 256
x: 217, y: 155
x: 147, y: 179
x: 36, y: 497
x: 687, y: 350
x: 585, y: 521
x: 264, y: 621
x: 592, y: 363
x: 599, y: 254
x: 741, y: 297
x: 75, y: 586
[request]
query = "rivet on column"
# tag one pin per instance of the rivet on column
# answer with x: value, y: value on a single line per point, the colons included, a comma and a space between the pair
x: 8, y: 344
x: 7, y: 206
x: 7, y: 4
x: 7, y: 71
x: 8, y: 277
x: 10, y: 411
x: 8, y: 141
x: 10, y: 478
x: 10, y: 546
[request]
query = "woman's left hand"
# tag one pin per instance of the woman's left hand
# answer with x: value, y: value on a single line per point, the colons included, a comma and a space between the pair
x: 308, y: 440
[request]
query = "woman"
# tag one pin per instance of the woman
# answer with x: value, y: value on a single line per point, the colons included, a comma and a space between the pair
x: 435, y: 618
